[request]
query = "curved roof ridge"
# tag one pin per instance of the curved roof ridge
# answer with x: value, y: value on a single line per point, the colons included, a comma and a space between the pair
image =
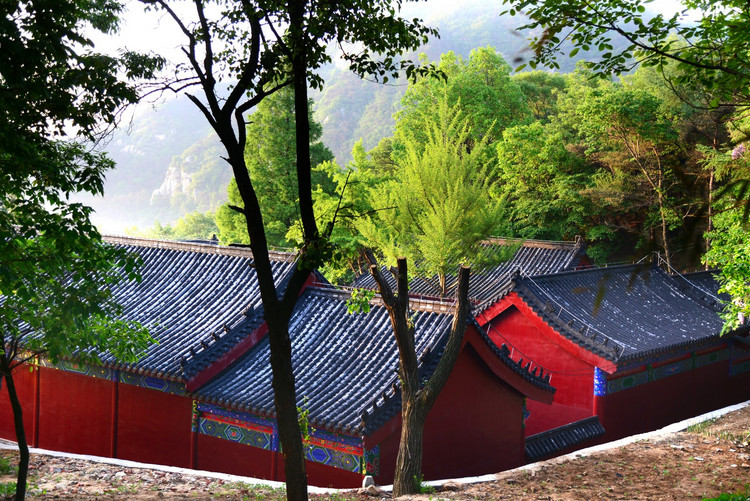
x: 593, y: 270
x: 203, y: 248
x: 536, y: 376
x: 530, y: 242
x: 708, y: 298
x: 587, y: 336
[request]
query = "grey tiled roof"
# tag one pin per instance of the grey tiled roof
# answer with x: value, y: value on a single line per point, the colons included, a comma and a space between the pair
x: 344, y: 364
x: 620, y: 312
x: 551, y: 442
x: 197, y: 301
x: 704, y: 286
x: 534, y: 257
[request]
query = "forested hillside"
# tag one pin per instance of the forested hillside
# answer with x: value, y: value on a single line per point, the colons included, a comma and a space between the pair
x: 626, y: 165
x: 164, y: 154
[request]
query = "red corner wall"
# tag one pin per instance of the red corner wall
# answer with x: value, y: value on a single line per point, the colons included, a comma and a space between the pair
x: 572, y: 377
x: 217, y: 454
x: 474, y: 428
x: 75, y: 413
x: 664, y: 401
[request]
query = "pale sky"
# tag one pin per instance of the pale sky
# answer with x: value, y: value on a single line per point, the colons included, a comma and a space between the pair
x: 146, y: 31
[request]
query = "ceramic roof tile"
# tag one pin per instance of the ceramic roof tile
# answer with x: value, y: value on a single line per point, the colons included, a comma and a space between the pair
x: 704, y: 286
x: 341, y: 361
x: 344, y: 364
x: 189, y: 296
x: 534, y: 257
x: 551, y: 442
x: 620, y: 312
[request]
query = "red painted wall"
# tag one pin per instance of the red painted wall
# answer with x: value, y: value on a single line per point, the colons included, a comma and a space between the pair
x: 321, y: 475
x: 154, y: 427
x: 664, y: 401
x: 25, y: 383
x: 572, y: 377
x: 217, y: 454
x: 474, y: 428
x: 75, y: 413
x: 739, y: 390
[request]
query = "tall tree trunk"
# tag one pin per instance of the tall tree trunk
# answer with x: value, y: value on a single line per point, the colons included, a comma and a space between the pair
x: 291, y: 439
x: 409, y: 460
x: 710, y: 216
x: 286, y: 409
x: 23, y: 446
x: 417, y: 399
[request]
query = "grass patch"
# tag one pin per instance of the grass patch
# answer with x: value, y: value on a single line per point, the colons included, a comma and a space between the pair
x: 732, y: 496
x: 702, y: 427
x: 8, y: 466
x: 7, y: 489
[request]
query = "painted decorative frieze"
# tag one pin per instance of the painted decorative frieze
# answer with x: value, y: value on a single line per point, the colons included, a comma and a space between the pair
x: 331, y: 449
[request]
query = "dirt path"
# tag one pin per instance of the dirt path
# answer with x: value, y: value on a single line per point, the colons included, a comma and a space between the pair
x: 710, y: 459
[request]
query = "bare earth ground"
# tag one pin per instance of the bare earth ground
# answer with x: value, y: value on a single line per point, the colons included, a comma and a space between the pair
x: 712, y: 458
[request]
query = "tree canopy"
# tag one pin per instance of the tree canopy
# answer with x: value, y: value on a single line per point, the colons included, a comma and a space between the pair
x: 271, y: 157
x: 256, y: 48
x: 481, y: 86
x: 55, y: 273
x: 709, y: 52
x: 436, y: 208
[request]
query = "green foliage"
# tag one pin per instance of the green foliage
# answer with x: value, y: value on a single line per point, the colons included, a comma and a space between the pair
x: 303, y: 417
x: 709, y: 54
x: 7, y: 467
x: 701, y: 427
x: 541, y: 184
x: 7, y: 489
x: 436, y: 209
x: 339, y: 211
x: 489, y: 99
x: 732, y: 496
x: 271, y: 158
x: 359, y: 302
x: 730, y: 252
x: 421, y: 487
x: 55, y: 273
x: 645, y: 189
x: 540, y: 90
x: 194, y: 226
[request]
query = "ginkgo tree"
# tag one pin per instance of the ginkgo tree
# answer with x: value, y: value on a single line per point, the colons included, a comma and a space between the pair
x: 435, y: 209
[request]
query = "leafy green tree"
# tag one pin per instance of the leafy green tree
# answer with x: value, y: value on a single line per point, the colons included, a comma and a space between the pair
x: 540, y: 184
x: 271, y: 157
x: 193, y: 226
x: 730, y: 252
x: 540, y: 90
x: 729, y: 247
x: 55, y: 273
x: 710, y: 54
x: 417, y: 395
x: 341, y: 208
x: 254, y: 49
x: 625, y: 131
x: 436, y: 208
x: 489, y: 99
